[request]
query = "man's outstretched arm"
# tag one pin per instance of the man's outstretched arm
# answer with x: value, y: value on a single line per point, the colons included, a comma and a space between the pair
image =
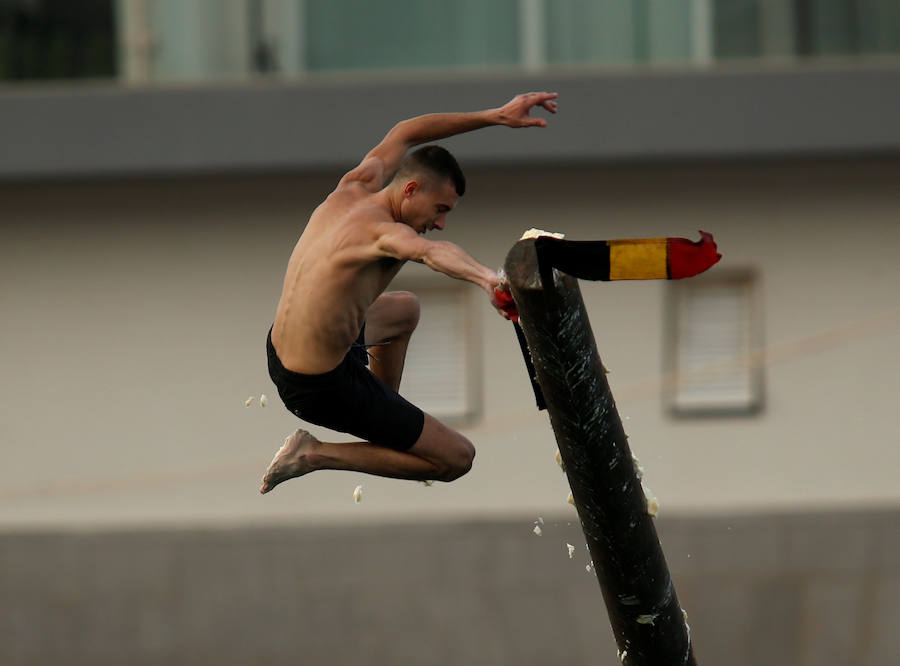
x: 401, y: 242
x: 382, y: 161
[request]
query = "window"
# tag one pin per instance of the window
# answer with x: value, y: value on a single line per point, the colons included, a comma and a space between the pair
x: 57, y: 39
x: 618, y: 32
x: 360, y: 34
x: 736, y: 28
x: 713, y: 347
x: 843, y: 27
x: 441, y: 374
x: 751, y: 28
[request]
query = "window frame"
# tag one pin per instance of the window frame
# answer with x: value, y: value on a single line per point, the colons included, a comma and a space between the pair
x: 472, y: 339
x: 744, y: 278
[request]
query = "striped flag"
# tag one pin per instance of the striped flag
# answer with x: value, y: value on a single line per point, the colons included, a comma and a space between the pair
x: 629, y: 258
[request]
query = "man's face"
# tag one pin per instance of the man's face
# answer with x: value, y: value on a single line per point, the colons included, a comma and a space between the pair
x: 426, y: 206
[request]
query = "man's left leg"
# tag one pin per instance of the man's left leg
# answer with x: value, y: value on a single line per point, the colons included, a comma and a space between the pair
x: 439, y: 454
x: 392, y: 318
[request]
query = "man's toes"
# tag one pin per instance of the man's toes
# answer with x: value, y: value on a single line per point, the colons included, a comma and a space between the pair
x: 270, y: 481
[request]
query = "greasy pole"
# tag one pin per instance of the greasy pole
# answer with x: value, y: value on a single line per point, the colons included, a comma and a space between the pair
x: 647, y: 620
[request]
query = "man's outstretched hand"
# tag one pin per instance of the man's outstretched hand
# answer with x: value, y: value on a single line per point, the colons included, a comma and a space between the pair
x: 502, y: 300
x: 515, y: 113
x: 501, y: 297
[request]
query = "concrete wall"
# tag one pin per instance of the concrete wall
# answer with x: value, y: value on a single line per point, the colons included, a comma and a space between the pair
x: 790, y: 590
x: 134, y: 314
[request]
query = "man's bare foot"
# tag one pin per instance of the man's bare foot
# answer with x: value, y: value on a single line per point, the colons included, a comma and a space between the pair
x: 292, y: 460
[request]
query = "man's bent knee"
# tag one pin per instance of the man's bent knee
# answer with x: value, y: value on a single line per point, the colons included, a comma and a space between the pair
x: 405, y: 309
x: 449, y: 452
x: 459, y: 461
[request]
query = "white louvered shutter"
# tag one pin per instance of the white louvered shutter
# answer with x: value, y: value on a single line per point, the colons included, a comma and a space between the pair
x: 713, y: 364
x: 437, y: 374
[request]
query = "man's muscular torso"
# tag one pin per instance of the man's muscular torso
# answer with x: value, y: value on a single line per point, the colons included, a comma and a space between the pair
x: 359, y: 237
x: 334, y: 274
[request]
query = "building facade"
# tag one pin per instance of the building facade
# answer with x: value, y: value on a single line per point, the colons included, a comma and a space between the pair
x: 147, y: 216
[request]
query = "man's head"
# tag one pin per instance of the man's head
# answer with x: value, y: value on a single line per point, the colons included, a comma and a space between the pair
x: 429, y: 182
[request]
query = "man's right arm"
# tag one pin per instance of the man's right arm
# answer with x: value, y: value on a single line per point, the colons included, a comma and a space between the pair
x: 400, y: 242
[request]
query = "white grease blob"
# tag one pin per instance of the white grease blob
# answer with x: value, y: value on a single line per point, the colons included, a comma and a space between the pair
x: 571, y: 550
x: 357, y: 494
x: 263, y: 400
x: 652, y: 501
x: 248, y: 401
x: 537, y: 233
x: 638, y: 468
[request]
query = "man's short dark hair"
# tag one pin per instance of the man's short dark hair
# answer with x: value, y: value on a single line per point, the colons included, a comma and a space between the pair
x: 433, y: 161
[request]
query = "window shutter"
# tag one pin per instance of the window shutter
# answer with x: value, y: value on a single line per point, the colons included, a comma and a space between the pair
x: 712, y: 361
x: 438, y: 375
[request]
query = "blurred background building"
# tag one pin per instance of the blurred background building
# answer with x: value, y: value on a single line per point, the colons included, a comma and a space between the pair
x: 158, y: 160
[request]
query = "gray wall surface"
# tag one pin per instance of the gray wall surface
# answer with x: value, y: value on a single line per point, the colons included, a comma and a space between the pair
x: 314, y: 123
x: 134, y: 316
x: 782, y: 590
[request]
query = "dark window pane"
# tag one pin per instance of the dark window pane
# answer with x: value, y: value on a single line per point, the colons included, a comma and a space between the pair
x: 57, y: 39
x: 846, y: 27
x: 736, y: 25
x: 367, y: 34
x: 828, y: 27
x: 598, y: 32
x: 879, y: 26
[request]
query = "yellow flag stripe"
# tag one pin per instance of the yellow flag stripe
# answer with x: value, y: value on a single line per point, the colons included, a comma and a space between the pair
x: 638, y: 259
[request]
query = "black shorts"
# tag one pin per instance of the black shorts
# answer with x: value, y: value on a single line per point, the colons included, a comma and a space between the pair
x: 349, y: 399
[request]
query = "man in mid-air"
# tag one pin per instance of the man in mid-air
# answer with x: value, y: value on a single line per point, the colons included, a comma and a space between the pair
x: 333, y: 307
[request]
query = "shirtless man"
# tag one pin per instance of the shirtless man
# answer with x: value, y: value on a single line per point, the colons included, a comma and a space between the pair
x: 332, y: 307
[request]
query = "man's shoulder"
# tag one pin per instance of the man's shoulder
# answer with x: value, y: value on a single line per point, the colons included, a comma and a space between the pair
x: 345, y: 201
x: 357, y: 218
x: 369, y: 175
x: 350, y: 189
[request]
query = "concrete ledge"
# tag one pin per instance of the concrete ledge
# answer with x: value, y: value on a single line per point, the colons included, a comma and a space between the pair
x: 758, y: 589
x: 631, y: 115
